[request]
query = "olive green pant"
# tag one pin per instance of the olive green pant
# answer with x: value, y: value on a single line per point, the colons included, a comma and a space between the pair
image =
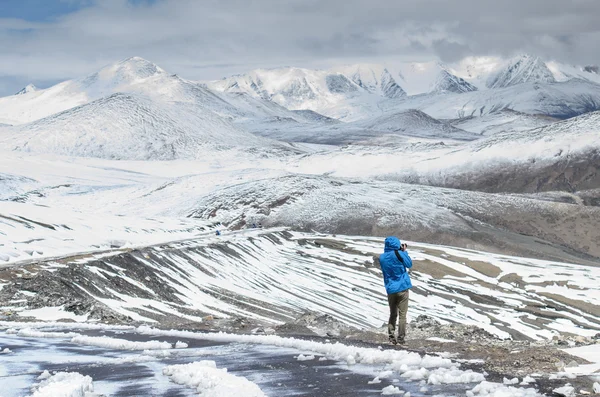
x: 398, y: 308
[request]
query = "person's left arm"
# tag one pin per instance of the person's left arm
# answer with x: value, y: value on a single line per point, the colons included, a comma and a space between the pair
x: 405, y: 257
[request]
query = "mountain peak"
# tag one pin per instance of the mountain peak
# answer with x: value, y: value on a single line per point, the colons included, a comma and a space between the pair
x: 27, y: 89
x: 448, y: 82
x: 521, y: 69
x: 127, y: 71
x: 374, y: 78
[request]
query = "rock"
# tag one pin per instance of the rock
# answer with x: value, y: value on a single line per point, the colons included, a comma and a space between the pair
x: 596, y: 387
x: 581, y: 339
x: 596, y: 337
x: 566, y: 391
x: 572, y: 364
x: 208, y: 318
x: 423, y: 321
x: 560, y: 366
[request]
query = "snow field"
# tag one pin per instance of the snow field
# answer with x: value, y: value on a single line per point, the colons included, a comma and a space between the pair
x: 210, y: 381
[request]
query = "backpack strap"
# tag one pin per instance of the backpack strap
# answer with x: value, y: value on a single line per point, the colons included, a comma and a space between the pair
x: 399, y: 257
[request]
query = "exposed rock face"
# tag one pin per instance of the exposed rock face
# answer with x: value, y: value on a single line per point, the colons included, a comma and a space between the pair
x: 389, y: 87
x: 339, y: 84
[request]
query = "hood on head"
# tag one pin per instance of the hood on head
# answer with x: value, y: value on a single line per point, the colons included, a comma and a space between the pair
x: 391, y: 244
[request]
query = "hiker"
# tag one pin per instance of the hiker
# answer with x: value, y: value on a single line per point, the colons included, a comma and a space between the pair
x: 394, y: 264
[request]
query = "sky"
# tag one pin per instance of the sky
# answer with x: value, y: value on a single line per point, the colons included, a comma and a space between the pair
x: 47, y: 41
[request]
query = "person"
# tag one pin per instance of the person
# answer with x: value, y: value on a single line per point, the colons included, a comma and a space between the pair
x: 395, y: 263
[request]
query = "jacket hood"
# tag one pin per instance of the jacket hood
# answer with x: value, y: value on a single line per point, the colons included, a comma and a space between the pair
x: 391, y: 244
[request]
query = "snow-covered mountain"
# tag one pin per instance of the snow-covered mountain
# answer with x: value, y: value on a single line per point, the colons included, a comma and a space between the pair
x: 129, y: 126
x: 523, y: 69
x: 373, y: 78
x: 447, y: 82
x: 27, y: 89
x: 414, y: 123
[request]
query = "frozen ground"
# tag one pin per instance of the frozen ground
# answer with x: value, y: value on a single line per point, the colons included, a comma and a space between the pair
x: 219, y: 365
x: 274, y: 276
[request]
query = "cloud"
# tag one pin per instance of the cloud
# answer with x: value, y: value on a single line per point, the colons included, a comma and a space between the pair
x: 213, y: 38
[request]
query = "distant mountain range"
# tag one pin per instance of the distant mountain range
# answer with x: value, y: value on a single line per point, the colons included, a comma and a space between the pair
x: 134, y: 109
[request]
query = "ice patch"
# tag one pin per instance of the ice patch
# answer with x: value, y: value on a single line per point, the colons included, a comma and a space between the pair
x: 302, y: 357
x: 210, y: 381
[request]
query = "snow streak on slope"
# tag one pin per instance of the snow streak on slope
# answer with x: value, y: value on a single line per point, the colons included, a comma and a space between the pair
x: 503, y: 121
x: 127, y: 126
x: 31, y: 232
x: 427, y: 213
x: 275, y: 276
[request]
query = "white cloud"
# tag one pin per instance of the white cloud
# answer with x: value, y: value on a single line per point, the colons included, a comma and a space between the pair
x: 211, y: 39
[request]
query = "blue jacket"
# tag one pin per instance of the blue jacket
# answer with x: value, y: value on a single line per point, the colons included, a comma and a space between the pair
x: 395, y: 275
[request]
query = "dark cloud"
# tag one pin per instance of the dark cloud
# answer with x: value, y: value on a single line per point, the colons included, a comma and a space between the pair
x: 450, y: 51
x: 195, y: 38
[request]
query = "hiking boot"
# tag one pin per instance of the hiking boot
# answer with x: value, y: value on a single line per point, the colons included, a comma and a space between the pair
x: 393, y: 340
x: 401, y: 341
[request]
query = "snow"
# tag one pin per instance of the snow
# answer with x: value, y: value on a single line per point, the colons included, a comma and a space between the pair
x: 52, y: 314
x: 33, y: 333
x: 391, y: 390
x: 119, y: 344
x: 210, y: 381
x: 491, y: 389
x: 302, y: 357
x: 64, y: 384
x: 527, y: 380
x: 590, y: 353
x: 442, y: 340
